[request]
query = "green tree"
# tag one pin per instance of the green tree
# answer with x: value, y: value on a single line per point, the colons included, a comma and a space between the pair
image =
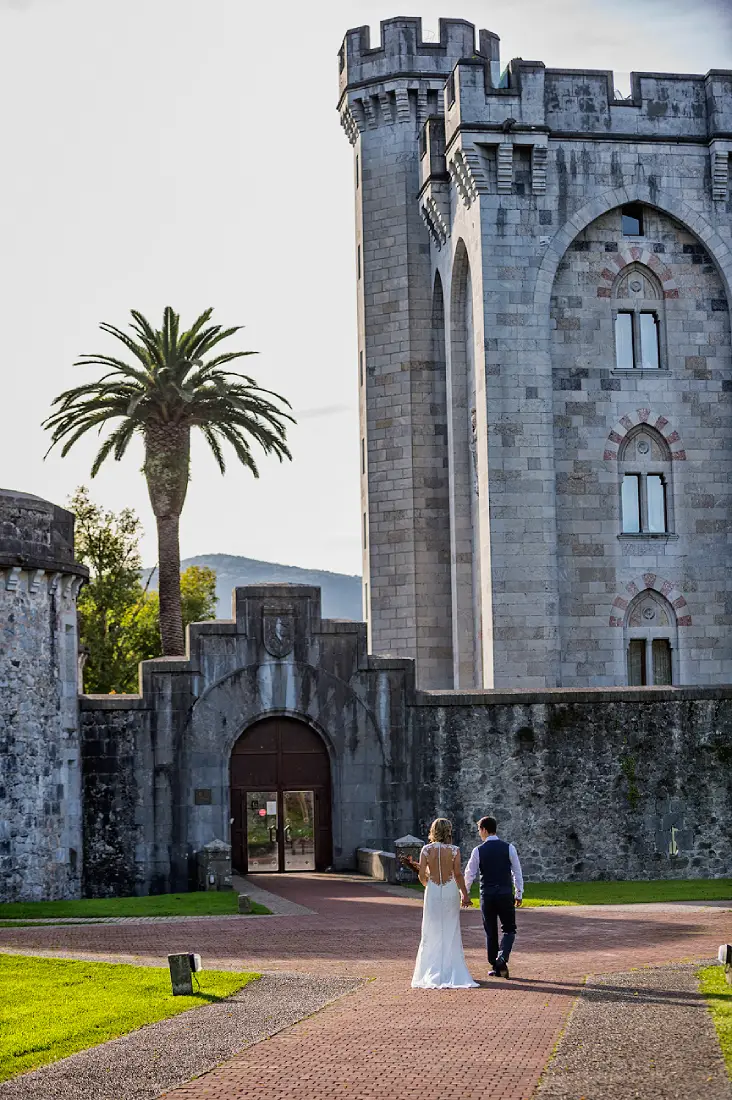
x: 118, y: 617
x: 108, y: 545
x: 172, y: 385
x: 198, y: 604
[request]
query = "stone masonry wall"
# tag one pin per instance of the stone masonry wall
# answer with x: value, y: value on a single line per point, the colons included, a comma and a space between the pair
x: 116, y: 777
x: 688, y: 403
x: 40, y: 797
x: 588, y: 785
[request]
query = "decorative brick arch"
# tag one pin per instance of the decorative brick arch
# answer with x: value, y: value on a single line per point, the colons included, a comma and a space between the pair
x: 665, y: 588
x: 643, y: 416
x: 634, y: 255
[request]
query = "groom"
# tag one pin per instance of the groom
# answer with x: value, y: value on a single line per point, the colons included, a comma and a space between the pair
x: 497, y: 865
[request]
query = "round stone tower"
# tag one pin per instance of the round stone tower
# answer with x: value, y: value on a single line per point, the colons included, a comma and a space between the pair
x: 40, y: 781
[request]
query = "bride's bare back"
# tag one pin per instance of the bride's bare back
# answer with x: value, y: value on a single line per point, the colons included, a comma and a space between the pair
x: 440, y: 863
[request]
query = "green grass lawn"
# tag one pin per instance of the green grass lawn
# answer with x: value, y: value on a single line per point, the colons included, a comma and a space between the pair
x: 719, y: 998
x: 197, y: 904
x: 616, y: 893
x: 53, y: 1007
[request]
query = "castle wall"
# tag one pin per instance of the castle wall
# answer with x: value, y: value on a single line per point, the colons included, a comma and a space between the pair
x: 40, y: 783
x: 588, y: 785
x: 147, y: 758
x: 608, y: 783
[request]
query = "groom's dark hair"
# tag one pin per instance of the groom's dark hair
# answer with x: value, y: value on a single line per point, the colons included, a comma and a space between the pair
x: 489, y: 824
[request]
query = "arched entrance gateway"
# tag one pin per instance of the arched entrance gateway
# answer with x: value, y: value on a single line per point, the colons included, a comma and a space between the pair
x: 280, y: 798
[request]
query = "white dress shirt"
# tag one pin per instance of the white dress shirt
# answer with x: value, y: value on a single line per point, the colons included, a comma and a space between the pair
x: 473, y: 868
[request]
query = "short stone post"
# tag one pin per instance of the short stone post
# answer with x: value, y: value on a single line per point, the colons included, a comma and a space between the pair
x: 407, y: 846
x: 214, y: 866
x: 245, y: 903
x: 725, y: 957
x: 181, y: 975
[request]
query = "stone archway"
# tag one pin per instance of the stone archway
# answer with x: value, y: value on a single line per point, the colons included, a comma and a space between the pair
x: 280, y: 798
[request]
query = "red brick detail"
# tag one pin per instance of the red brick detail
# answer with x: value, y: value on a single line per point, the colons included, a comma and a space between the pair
x: 626, y: 422
x: 661, y: 422
x: 673, y: 438
x: 620, y: 602
x: 608, y: 456
x: 685, y: 620
x: 666, y: 587
x: 679, y: 603
x: 649, y: 579
x: 680, y: 456
x: 643, y: 415
x: 670, y: 293
x: 615, y: 438
x: 607, y: 274
x: 604, y: 292
x: 615, y: 622
x: 632, y: 588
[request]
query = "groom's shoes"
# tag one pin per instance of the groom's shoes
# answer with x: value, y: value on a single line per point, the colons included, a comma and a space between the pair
x: 500, y: 968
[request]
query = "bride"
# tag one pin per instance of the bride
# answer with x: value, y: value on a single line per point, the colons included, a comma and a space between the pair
x: 440, y: 959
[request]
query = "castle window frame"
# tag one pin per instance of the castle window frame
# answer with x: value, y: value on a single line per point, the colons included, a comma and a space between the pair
x: 651, y: 641
x: 638, y: 314
x: 645, y: 473
x: 631, y: 219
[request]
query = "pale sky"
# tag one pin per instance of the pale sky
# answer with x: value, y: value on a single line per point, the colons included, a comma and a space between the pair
x: 189, y: 153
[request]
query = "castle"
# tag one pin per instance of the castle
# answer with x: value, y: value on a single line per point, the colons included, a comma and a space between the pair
x: 543, y: 277
x: 545, y: 382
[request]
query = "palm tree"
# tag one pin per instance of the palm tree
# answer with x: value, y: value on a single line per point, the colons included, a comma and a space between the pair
x: 169, y: 389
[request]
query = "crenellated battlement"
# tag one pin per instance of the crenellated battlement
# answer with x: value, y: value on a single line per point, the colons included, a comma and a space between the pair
x: 583, y: 101
x: 402, y: 51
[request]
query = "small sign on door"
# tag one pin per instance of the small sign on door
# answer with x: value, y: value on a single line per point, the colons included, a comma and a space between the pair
x: 271, y: 808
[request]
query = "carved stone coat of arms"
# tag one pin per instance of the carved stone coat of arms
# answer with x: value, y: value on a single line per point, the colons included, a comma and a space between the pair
x: 278, y: 631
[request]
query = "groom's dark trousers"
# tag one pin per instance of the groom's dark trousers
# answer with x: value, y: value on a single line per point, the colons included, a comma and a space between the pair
x: 496, y: 897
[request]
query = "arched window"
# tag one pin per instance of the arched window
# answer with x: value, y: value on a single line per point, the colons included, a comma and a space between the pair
x: 650, y: 640
x: 639, y: 320
x: 646, y: 488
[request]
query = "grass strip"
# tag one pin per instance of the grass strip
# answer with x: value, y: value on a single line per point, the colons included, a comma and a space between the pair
x: 718, y: 994
x: 201, y: 903
x: 618, y: 893
x: 60, y: 1006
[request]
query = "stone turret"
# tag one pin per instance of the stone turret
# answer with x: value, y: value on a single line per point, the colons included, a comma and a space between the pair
x: 386, y: 95
x: 40, y: 813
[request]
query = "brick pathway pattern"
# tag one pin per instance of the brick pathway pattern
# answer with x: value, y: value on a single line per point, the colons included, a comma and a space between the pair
x: 386, y: 1040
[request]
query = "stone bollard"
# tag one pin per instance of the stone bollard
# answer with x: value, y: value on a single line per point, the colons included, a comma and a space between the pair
x: 213, y: 864
x: 245, y: 903
x: 181, y: 975
x: 407, y: 846
x: 725, y: 957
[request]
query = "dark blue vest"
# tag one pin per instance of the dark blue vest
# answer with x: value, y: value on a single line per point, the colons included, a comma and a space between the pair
x: 495, y: 867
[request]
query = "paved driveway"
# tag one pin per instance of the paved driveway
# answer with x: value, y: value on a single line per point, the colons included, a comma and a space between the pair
x: 387, y: 1040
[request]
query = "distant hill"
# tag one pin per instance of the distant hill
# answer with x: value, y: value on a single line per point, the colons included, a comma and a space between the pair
x: 341, y: 593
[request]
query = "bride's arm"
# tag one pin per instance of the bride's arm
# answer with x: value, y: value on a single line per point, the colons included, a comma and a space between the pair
x: 460, y: 879
x: 423, y: 871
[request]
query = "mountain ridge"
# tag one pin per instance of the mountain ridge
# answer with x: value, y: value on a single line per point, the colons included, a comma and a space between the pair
x: 340, y: 592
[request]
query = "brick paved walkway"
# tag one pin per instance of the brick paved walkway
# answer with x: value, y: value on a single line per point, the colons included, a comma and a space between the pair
x: 386, y: 1040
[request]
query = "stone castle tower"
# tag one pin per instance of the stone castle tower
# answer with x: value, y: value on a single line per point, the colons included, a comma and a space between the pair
x: 543, y: 275
x: 40, y: 759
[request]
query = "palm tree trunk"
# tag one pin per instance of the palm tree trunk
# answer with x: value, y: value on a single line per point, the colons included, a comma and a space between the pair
x: 167, y: 463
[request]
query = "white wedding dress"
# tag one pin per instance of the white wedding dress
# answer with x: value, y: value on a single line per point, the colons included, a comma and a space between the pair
x: 440, y: 959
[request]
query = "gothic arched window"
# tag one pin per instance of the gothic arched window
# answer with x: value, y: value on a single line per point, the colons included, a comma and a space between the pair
x: 650, y: 640
x: 638, y: 318
x: 646, y: 496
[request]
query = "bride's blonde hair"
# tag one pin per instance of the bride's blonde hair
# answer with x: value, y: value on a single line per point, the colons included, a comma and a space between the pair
x: 441, y: 831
